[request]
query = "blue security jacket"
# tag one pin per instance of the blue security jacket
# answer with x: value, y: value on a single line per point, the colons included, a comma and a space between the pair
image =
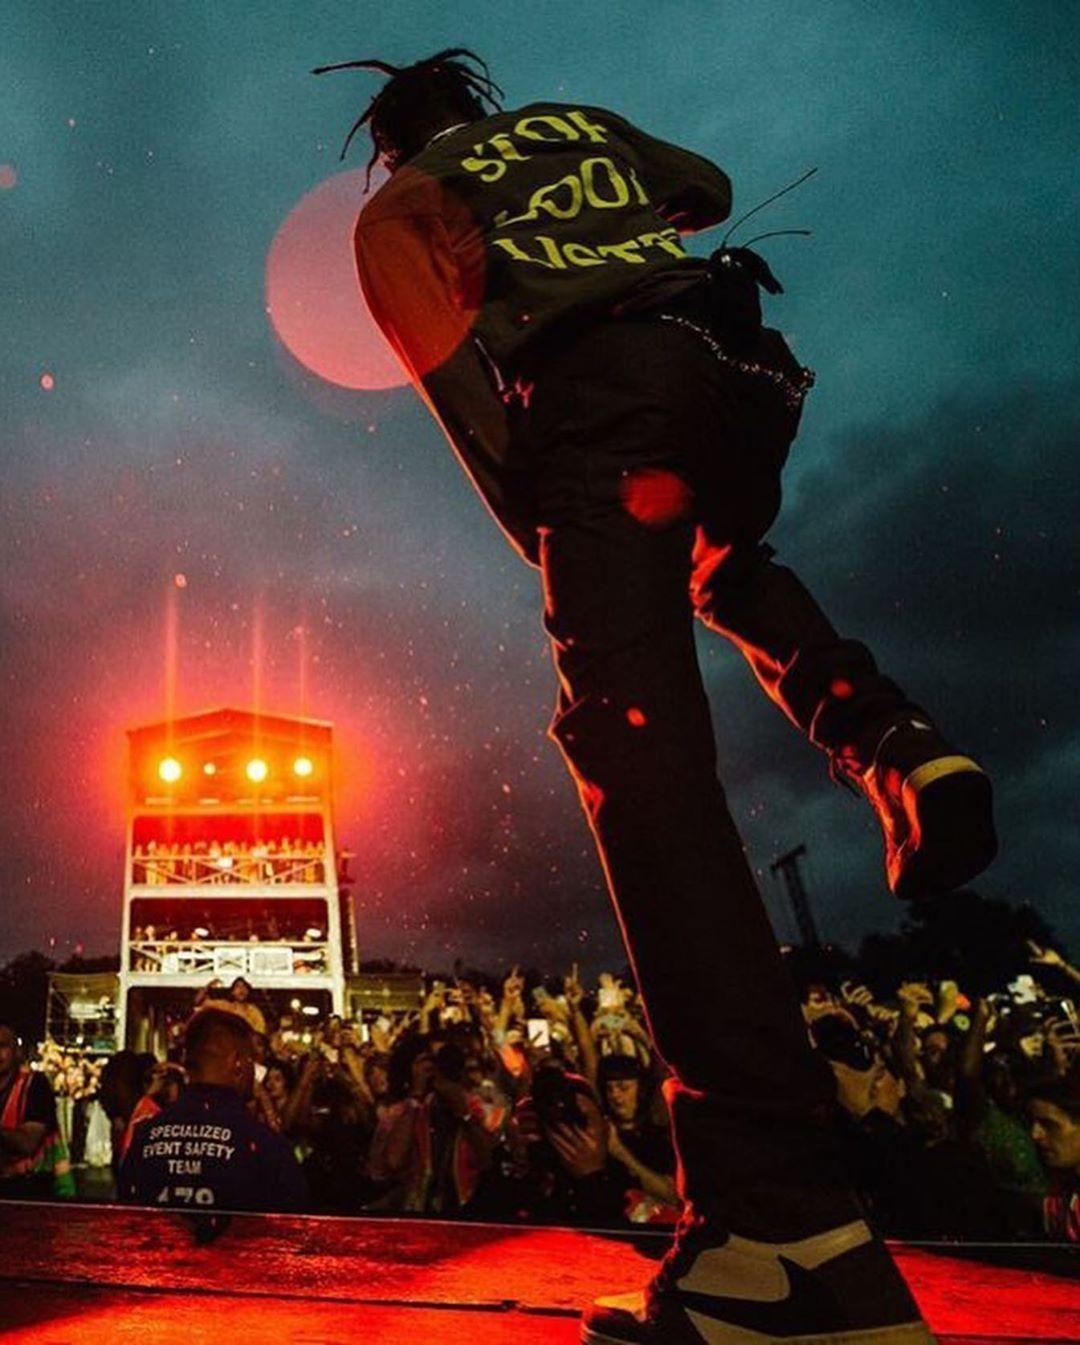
x: 207, y: 1153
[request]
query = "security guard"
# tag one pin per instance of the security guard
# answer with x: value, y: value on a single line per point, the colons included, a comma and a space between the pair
x: 206, y: 1153
x: 34, y: 1160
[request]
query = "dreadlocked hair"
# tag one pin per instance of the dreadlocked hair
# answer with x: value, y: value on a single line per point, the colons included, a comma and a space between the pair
x: 400, y: 113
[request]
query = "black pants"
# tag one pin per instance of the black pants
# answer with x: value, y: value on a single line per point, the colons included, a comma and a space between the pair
x: 656, y: 472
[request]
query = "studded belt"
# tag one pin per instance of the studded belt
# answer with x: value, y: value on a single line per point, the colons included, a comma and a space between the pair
x: 794, y: 389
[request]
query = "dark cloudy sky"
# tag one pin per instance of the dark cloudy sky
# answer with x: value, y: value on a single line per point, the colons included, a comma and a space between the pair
x: 334, y: 562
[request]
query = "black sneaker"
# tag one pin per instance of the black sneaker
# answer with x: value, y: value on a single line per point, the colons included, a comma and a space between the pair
x: 934, y: 805
x: 839, y: 1287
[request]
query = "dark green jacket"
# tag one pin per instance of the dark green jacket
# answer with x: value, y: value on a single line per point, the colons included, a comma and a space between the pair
x: 474, y: 250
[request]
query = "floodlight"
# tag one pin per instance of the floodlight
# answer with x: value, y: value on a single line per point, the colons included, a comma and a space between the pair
x: 303, y: 766
x: 257, y: 770
x: 170, y: 770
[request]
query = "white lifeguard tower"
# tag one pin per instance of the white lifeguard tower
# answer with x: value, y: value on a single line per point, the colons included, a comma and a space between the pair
x: 230, y: 870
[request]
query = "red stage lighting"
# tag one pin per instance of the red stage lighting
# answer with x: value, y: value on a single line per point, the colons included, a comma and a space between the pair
x: 170, y: 770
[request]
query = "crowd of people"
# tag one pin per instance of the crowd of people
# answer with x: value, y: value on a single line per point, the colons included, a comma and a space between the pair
x: 288, y: 859
x: 74, y: 1075
x: 151, y: 944
x: 961, y: 1113
x: 543, y: 1102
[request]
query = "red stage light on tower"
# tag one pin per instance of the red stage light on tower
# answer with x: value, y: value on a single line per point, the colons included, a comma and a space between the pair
x: 170, y: 770
x: 257, y: 770
x: 303, y: 766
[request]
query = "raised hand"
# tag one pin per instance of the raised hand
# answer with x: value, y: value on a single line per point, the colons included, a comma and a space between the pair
x: 818, y: 1007
x: 915, y: 997
x: 947, y: 1003
x: 573, y: 988
x: 859, y: 995
x: 583, y: 1150
x: 984, y: 1019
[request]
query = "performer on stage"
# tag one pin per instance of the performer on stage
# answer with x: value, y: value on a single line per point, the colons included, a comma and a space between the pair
x: 626, y: 417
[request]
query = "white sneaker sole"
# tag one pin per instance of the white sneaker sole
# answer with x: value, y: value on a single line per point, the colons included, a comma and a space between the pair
x: 912, y: 1333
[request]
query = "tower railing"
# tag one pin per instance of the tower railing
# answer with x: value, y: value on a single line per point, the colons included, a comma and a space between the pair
x: 249, y: 867
x: 203, y: 958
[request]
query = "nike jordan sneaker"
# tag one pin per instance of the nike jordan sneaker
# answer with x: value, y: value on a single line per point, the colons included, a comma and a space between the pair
x: 839, y: 1287
x: 934, y: 806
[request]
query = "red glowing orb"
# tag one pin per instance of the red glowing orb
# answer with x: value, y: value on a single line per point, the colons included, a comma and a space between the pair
x: 8, y: 176
x: 313, y: 296
x: 656, y: 498
x: 47, y: 382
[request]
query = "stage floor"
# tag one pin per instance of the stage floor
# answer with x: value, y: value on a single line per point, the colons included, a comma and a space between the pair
x: 95, y: 1275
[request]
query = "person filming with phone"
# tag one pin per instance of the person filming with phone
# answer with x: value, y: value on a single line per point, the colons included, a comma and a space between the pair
x: 638, y: 1144
x: 432, y: 1146
x: 559, y: 1168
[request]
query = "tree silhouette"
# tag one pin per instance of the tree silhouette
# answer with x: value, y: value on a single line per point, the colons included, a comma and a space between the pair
x: 24, y: 985
x: 978, y: 941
